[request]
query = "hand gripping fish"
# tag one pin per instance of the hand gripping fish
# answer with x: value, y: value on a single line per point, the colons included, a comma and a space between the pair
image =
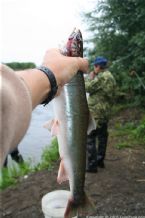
x: 70, y: 125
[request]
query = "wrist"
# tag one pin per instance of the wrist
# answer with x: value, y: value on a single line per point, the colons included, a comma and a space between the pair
x: 53, y: 83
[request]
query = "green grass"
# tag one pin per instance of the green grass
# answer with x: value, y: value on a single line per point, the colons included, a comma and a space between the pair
x: 11, y: 175
x: 49, y: 155
x: 123, y: 145
x: 139, y: 132
x: 129, y: 134
x: 119, y: 107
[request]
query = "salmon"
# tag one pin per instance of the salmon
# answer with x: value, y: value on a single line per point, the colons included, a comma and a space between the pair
x: 70, y: 126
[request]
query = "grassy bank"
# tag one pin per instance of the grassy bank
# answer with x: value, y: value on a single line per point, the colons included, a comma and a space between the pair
x: 127, y: 130
x: 12, y: 175
x: 129, y: 134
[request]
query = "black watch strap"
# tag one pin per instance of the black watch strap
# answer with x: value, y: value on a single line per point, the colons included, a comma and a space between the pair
x: 52, y: 81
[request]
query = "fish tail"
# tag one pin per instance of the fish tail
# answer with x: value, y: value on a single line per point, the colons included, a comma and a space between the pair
x: 86, y: 208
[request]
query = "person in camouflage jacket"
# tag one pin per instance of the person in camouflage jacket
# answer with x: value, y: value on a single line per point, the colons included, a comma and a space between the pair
x: 101, y: 88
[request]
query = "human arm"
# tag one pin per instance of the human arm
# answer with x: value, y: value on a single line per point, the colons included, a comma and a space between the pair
x: 64, y: 68
x: 92, y: 75
x: 22, y: 91
x: 103, y: 83
x: 91, y: 85
x: 108, y: 85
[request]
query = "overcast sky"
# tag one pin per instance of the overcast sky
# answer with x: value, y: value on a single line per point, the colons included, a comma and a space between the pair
x: 29, y: 27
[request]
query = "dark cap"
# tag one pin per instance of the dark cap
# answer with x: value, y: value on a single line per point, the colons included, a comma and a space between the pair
x: 101, y: 61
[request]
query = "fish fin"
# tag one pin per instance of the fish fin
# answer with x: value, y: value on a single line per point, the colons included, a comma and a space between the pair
x: 48, y: 125
x: 86, y: 208
x: 55, y: 128
x: 62, y: 174
x: 91, y: 125
x: 71, y: 209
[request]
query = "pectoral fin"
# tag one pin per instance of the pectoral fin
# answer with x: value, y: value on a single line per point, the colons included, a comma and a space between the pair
x: 52, y: 126
x: 48, y: 125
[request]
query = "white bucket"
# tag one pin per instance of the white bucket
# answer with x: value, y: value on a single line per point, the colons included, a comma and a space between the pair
x: 54, y: 203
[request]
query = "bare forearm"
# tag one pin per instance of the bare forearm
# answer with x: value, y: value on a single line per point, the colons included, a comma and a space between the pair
x: 38, y: 85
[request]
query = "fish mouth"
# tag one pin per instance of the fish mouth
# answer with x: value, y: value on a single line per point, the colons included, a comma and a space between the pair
x: 74, y: 46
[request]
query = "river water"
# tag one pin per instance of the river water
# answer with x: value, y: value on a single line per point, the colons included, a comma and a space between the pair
x: 37, y: 137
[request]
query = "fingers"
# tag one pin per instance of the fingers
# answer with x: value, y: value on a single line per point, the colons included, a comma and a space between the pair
x: 63, y: 67
x: 83, y: 65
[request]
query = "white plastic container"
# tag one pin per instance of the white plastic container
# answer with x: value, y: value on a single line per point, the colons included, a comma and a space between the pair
x: 54, y: 203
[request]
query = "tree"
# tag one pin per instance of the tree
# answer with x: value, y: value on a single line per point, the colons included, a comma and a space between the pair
x: 118, y: 33
x: 21, y: 66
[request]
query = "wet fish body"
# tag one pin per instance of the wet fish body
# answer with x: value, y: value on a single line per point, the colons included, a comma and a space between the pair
x: 70, y: 125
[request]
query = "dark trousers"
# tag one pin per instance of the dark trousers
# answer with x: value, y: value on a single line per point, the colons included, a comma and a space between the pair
x: 16, y: 156
x: 95, y: 155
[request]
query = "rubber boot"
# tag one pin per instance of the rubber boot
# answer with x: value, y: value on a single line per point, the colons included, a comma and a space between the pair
x: 91, y: 153
x: 102, y: 144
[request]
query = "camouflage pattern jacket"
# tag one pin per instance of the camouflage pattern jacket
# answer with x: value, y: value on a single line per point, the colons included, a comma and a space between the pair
x: 101, y: 96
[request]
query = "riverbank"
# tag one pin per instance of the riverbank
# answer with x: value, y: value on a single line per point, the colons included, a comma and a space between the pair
x: 119, y: 189
x: 14, y: 173
x: 37, y: 137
